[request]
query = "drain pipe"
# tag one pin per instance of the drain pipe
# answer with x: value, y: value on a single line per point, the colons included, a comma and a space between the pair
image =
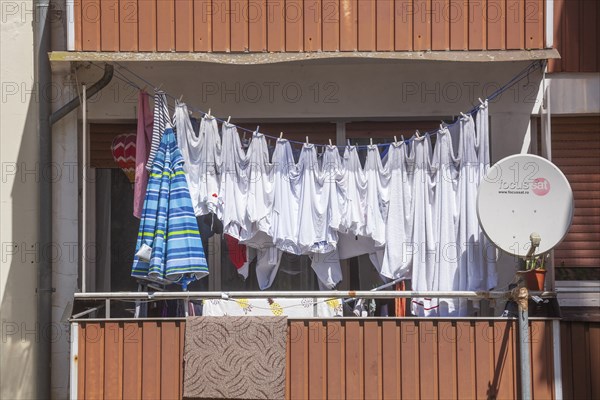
x: 43, y: 76
x: 76, y: 101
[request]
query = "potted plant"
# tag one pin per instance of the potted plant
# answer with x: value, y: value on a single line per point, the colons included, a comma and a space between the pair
x: 535, y: 272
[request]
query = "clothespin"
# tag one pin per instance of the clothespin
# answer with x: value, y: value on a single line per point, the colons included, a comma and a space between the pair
x: 208, y: 114
x: 228, y: 119
x: 395, y: 139
x: 257, y: 127
x: 481, y: 101
x: 418, y: 135
x: 349, y: 144
x: 307, y: 140
x: 463, y: 115
x: 280, y: 135
x: 371, y: 141
x: 180, y: 98
x: 331, y: 144
x: 159, y: 86
x: 402, y: 137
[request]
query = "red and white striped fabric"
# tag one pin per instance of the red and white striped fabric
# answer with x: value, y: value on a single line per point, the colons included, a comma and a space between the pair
x: 123, y: 151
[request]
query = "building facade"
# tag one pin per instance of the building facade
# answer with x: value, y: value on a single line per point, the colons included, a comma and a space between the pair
x: 330, y: 69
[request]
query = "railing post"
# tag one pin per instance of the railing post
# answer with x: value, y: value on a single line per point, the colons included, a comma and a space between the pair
x: 524, y: 339
x: 556, y: 351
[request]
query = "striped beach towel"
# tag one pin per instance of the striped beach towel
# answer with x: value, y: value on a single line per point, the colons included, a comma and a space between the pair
x: 168, y: 225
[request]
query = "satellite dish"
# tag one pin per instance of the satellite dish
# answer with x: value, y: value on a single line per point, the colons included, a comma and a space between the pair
x: 523, y: 199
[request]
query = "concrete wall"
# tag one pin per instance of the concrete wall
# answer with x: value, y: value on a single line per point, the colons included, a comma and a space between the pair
x: 18, y: 203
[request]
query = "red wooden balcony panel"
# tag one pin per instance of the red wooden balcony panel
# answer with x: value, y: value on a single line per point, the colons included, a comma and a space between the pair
x: 328, y: 25
x: 370, y: 358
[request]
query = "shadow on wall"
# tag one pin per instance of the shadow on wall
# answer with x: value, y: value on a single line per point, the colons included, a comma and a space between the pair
x: 20, y: 257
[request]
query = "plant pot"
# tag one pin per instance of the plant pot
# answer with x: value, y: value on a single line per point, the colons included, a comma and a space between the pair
x: 534, y: 279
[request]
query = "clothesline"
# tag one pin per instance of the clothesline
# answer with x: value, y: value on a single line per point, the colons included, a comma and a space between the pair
x: 516, y: 79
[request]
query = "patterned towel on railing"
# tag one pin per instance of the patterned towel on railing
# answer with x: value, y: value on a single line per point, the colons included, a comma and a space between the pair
x: 235, y: 358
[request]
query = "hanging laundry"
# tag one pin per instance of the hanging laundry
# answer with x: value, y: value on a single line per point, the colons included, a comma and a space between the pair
x: 334, y: 191
x: 312, y: 225
x: 259, y: 205
x: 327, y: 268
x: 142, y: 150
x: 333, y: 197
x: 259, y: 201
x: 378, y: 179
x: 268, y: 259
x: 397, y: 261
x: 210, y: 167
x: 445, y: 220
x: 236, y: 252
x: 233, y: 188
x: 190, y: 146
x: 355, y: 218
x: 423, y: 238
x: 487, y: 257
x: 470, y: 268
x: 162, y: 121
x: 284, y: 215
x: 168, y: 226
